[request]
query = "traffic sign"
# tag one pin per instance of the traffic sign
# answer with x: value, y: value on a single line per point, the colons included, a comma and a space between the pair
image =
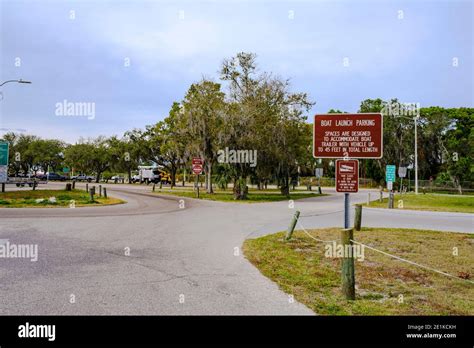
x: 402, y: 172
x: 197, y: 165
x: 3, y: 154
x: 347, y: 176
x: 318, y: 172
x: 390, y: 173
x: 348, y: 135
x: 3, y: 174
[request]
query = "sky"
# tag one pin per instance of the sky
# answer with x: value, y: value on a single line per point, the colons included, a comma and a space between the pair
x: 130, y: 60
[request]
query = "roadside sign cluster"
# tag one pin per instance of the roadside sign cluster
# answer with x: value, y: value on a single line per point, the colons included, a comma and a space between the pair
x: 3, y: 162
x: 348, y: 136
x: 198, y: 164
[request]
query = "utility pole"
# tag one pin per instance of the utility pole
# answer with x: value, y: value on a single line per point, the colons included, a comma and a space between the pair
x: 416, y: 155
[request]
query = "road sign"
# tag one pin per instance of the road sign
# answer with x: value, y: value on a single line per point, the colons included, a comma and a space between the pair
x: 347, y: 176
x: 402, y: 172
x: 390, y: 173
x: 197, y: 165
x: 3, y: 154
x: 3, y: 174
x: 65, y: 170
x: 318, y: 172
x: 348, y: 135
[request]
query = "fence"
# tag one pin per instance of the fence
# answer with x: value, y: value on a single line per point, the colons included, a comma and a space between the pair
x: 347, y: 264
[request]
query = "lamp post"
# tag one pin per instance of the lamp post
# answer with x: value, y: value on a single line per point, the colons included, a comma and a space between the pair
x: 19, y: 81
x: 415, y: 119
x: 416, y: 155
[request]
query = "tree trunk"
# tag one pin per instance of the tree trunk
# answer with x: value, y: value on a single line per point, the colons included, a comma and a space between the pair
x: 209, y: 177
x: 285, y: 187
x: 129, y: 175
x: 173, y: 176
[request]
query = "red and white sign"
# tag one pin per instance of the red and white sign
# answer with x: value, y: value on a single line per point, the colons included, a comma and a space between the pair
x: 198, y: 164
x: 347, y: 176
x: 348, y: 136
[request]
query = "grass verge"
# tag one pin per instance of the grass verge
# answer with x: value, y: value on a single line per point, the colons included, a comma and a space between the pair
x: 300, y: 268
x: 52, y: 198
x: 254, y: 196
x: 433, y: 202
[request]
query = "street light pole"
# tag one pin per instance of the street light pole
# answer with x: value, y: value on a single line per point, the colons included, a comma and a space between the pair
x: 19, y: 81
x: 416, y: 155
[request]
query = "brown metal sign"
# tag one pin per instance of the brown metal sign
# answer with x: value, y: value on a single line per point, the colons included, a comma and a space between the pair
x: 347, y: 176
x: 348, y: 136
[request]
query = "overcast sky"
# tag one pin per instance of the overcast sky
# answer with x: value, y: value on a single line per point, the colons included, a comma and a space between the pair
x: 77, y: 51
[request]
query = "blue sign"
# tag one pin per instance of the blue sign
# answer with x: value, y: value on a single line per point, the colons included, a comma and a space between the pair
x: 390, y: 173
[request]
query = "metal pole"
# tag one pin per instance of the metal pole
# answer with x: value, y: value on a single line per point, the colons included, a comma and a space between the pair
x: 416, y: 157
x: 346, y: 210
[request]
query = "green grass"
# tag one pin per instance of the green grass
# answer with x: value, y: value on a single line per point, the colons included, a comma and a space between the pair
x: 31, y: 199
x: 300, y: 268
x: 434, y: 202
x: 254, y: 196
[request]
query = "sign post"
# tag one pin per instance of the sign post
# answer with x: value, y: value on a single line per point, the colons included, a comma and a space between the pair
x: 197, y: 169
x: 348, y: 136
x: 319, y: 173
x: 402, y: 172
x: 390, y: 178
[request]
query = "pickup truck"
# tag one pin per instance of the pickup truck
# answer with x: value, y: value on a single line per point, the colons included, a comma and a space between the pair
x: 82, y: 177
x: 51, y: 177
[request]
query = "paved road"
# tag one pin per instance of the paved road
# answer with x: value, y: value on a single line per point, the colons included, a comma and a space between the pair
x: 191, y: 254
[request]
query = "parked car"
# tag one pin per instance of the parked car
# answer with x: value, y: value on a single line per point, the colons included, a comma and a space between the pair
x: 117, y: 178
x: 82, y: 177
x: 52, y: 177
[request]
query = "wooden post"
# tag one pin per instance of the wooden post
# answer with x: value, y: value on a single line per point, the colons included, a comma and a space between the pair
x: 105, y: 192
x: 100, y: 190
x: 390, y: 200
x: 68, y: 187
x: 368, y: 198
x: 291, y: 228
x: 74, y: 184
x: 34, y: 185
x: 153, y: 187
x: 347, y: 274
x: 87, y: 187
x: 381, y: 196
x: 358, y: 217
x: 161, y: 184
x: 92, y: 193
x: 3, y: 187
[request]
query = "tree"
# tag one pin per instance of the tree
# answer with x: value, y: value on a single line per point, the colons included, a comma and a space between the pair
x: 204, y: 108
x: 458, y: 143
x: 93, y: 155
x: 264, y: 116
